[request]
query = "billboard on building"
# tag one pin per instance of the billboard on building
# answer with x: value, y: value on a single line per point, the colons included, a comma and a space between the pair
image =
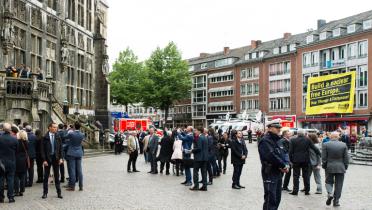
x: 331, y: 94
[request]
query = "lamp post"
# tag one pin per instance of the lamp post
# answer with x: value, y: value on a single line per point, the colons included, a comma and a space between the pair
x: 65, y: 108
x: 76, y: 106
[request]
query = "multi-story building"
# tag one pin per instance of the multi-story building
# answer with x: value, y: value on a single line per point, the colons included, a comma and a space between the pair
x: 337, y: 47
x: 66, y: 41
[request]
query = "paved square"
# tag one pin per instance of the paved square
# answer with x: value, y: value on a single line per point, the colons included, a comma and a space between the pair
x: 109, y: 186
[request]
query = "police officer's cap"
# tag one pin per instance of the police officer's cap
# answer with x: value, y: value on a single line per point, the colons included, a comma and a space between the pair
x: 274, y: 123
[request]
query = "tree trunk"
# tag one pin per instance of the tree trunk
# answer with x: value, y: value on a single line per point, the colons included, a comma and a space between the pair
x: 166, y: 112
x: 126, y: 108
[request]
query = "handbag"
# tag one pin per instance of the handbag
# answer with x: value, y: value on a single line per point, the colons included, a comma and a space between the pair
x: 27, y: 157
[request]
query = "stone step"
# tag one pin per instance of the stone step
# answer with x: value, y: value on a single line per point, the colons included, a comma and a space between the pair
x: 365, y: 163
x: 88, y: 153
x: 362, y: 159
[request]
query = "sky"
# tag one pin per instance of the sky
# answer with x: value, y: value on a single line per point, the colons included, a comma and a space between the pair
x: 209, y: 25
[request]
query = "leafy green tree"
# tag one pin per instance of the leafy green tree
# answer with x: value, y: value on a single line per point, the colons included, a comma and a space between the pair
x: 125, y: 79
x: 167, y: 78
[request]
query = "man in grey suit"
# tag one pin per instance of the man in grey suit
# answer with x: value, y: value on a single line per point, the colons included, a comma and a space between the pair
x: 335, y: 161
x: 153, y: 149
x: 201, y: 157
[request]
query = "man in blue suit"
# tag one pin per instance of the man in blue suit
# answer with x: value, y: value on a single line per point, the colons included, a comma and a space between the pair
x: 153, y: 147
x: 201, y: 157
x: 74, y: 155
x: 8, y: 147
x: 187, y: 139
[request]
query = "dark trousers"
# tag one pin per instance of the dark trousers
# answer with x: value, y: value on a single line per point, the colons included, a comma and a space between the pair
x: 55, y: 165
x: 212, y: 168
x: 154, y: 163
x: 167, y: 166
x: 237, y: 173
x: 117, y: 149
x: 30, y: 172
x: 224, y: 159
x: 19, y: 182
x: 9, y: 176
x: 178, y: 166
x: 250, y: 139
x: 272, y: 190
x: 336, y: 180
x: 287, y: 177
x: 40, y: 169
x: 75, y: 171
x: 132, y: 160
x: 141, y: 147
x: 202, y: 165
x: 62, y: 171
x: 297, y: 168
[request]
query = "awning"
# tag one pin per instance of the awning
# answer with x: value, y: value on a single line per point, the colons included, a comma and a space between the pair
x: 219, y: 89
x: 220, y: 74
x: 221, y: 103
x: 334, y: 119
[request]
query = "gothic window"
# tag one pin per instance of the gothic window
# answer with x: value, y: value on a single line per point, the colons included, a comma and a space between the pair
x: 19, y: 10
x: 36, y: 20
x: 71, y: 10
x: 89, y: 15
x: 52, y: 4
x: 81, y: 12
x: 81, y: 41
x: 51, y: 25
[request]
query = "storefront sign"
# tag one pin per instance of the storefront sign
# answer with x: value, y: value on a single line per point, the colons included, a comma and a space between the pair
x: 331, y: 94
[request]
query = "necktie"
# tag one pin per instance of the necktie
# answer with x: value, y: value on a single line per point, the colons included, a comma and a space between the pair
x: 52, y: 139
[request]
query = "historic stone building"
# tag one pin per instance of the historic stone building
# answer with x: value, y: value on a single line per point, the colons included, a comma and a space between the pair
x: 66, y: 41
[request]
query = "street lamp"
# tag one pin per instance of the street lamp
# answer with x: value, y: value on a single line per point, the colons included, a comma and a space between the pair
x: 76, y: 105
x: 65, y: 107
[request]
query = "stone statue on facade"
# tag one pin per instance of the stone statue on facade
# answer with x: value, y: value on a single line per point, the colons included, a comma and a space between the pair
x: 7, y: 5
x: 105, y: 66
x: 7, y: 32
x: 65, y: 53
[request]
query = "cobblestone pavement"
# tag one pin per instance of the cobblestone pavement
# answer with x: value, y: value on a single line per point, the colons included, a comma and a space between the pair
x: 109, y: 186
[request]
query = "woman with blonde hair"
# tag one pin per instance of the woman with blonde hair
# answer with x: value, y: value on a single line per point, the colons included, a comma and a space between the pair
x: 22, y: 163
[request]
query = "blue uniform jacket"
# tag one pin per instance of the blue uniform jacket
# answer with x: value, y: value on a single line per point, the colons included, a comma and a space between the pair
x: 74, y: 144
x: 271, y: 153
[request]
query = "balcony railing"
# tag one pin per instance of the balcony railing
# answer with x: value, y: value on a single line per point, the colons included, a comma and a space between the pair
x: 332, y: 64
x: 25, y: 88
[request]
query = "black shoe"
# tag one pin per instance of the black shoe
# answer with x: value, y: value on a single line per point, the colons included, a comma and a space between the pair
x: 80, y: 188
x: 293, y: 193
x: 167, y: 173
x: 336, y: 203
x: 150, y: 172
x: 44, y: 196
x: 62, y: 181
x: 303, y: 190
x: 203, y: 189
x: 241, y: 186
x: 286, y: 189
x: 184, y: 182
x: 39, y: 181
x: 224, y: 172
x: 194, y: 189
x: 209, y: 183
x: 11, y: 200
x: 129, y: 171
x: 329, y: 200
x: 136, y: 171
x: 236, y: 187
x: 307, y: 193
x: 60, y: 196
x: 154, y: 173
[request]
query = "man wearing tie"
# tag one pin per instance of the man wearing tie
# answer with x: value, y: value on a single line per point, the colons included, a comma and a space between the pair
x: 51, y: 154
x: 133, y: 147
x: 153, y: 149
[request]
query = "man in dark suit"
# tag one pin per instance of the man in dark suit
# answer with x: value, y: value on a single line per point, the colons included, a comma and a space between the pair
x: 31, y: 153
x: 153, y: 147
x: 8, y: 147
x: 51, y: 153
x: 62, y: 134
x: 299, y: 155
x: 239, y: 153
x: 335, y: 161
x: 74, y: 155
x: 201, y: 157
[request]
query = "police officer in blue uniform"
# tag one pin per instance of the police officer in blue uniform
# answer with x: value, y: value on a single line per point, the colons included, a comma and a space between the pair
x: 274, y: 164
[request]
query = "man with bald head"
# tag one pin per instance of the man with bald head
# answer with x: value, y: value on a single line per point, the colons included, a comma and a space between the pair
x: 335, y: 161
x: 8, y: 147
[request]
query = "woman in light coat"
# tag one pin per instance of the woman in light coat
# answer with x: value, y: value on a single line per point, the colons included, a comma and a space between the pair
x: 177, y: 152
x: 316, y: 163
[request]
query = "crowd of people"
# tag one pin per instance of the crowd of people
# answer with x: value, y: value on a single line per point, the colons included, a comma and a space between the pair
x: 23, y: 71
x: 203, y: 150
x: 20, y: 148
x: 304, y: 154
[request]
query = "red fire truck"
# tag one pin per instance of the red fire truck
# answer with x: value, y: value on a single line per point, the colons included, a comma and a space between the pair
x: 125, y: 124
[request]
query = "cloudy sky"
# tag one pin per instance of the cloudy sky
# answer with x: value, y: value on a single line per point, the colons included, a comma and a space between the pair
x: 209, y: 25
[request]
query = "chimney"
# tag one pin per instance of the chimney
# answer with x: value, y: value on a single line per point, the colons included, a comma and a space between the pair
x: 202, y: 55
x: 255, y: 43
x: 226, y: 50
x: 321, y: 23
x: 287, y: 35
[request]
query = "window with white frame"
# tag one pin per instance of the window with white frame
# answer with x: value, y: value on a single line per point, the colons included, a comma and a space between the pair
x: 249, y: 89
x: 191, y: 68
x: 280, y: 86
x: 362, y: 77
x: 222, y: 78
x: 323, y: 35
x: 262, y: 54
x: 224, y: 62
x: 249, y: 73
x: 222, y: 93
x: 352, y: 50
x: 362, y: 49
x: 203, y: 65
x: 351, y: 28
x: 367, y: 24
x: 199, y: 96
x: 306, y: 60
x: 280, y: 68
x: 243, y: 74
x: 278, y: 104
x: 292, y: 47
x: 254, y: 55
x: 246, y: 57
x: 276, y: 51
x: 309, y: 39
x: 199, y: 81
x: 242, y: 105
x: 336, y: 32
x: 362, y: 97
x: 284, y: 49
x: 342, y: 51
x: 314, y: 58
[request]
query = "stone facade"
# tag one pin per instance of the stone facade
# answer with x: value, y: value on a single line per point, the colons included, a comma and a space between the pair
x: 66, y: 41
